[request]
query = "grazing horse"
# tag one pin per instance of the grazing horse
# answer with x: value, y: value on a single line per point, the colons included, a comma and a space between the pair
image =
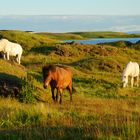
x: 10, y: 49
x: 58, y: 77
x: 132, y: 70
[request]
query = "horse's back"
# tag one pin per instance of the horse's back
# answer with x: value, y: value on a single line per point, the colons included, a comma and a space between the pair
x: 13, y: 48
x: 136, y: 68
x: 132, y: 69
x: 64, y: 72
x: 64, y: 77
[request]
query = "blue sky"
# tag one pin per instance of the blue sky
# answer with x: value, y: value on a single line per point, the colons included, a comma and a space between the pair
x: 70, y: 7
x: 67, y: 15
x: 67, y: 23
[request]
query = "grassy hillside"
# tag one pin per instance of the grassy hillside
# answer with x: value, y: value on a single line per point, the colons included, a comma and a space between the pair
x: 88, y: 35
x: 12, y: 68
x: 26, y: 39
x: 11, y: 73
x: 101, y: 108
x: 62, y: 36
x: 105, y: 34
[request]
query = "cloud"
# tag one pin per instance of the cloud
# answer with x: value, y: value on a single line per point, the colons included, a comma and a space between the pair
x: 68, y: 23
x: 125, y: 28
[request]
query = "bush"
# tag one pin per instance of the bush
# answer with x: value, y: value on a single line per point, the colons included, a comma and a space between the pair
x: 110, y: 65
x: 120, y: 43
x: 66, y: 50
x: 28, y: 90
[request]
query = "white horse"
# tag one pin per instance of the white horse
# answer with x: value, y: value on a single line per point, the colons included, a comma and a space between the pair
x: 10, y: 49
x: 132, y: 70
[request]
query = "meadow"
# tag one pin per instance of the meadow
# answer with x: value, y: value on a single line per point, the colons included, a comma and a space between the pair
x: 101, y: 108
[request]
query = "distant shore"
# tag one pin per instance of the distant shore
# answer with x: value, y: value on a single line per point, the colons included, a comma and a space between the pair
x: 89, y: 35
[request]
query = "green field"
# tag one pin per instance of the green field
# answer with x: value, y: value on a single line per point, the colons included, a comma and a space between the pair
x: 101, y: 108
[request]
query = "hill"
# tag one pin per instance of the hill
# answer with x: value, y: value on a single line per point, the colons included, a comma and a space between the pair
x: 11, y: 70
x: 88, y: 35
x: 26, y: 39
x: 62, y: 36
x: 101, y: 108
x: 105, y: 34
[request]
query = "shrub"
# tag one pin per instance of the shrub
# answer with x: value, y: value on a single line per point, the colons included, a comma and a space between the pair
x: 28, y: 90
x: 121, y: 43
x: 110, y: 65
x: 66, y: 50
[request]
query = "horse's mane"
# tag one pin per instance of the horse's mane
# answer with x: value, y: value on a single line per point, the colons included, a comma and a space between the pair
x: 62, y: 66
x: 53, y: 67
x: 49, y: 67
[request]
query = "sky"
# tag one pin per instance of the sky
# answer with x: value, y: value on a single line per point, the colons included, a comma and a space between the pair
x: 70, y: 15
x: 70, y: 23
x: 70, y: 7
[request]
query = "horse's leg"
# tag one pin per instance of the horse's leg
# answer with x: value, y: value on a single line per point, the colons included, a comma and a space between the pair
x: 137, y: 80
x: 132, y: 81
x: 56, y: 97
x: 19, y: 56
x: 17, y: 59
x: 4, y: 56
x: 70, y: 91
x: 52, y: 90
x: 7, y: 55
x: 60, y: 92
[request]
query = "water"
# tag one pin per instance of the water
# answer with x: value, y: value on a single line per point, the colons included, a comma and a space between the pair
x: 103, y: 40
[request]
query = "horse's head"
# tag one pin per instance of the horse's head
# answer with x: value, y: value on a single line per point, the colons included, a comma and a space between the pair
x: 124, y: 80
x: 46, y: 76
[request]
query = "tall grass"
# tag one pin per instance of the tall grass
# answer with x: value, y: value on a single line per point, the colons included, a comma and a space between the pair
x: 85, y: 118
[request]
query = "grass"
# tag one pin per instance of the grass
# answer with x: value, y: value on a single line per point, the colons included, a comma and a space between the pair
x: 119, y: 119
x: 105, y: 34
x: 26, y: 39
x: 12, y: 68
x: 88, y: 35
x: 101, y: 109
x: 62, y: 36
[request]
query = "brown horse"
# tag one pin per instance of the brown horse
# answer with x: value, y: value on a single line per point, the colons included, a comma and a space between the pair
x: 58, y: 77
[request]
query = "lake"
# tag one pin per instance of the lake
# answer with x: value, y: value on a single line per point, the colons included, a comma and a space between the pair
x: 103, y: 40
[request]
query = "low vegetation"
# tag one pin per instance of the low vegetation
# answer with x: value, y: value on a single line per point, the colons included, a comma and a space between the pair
x: 26, y: 39
x: 105, y: 34
x: 88, y: 35
x: 101, y: 108
x: 62, y: 36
